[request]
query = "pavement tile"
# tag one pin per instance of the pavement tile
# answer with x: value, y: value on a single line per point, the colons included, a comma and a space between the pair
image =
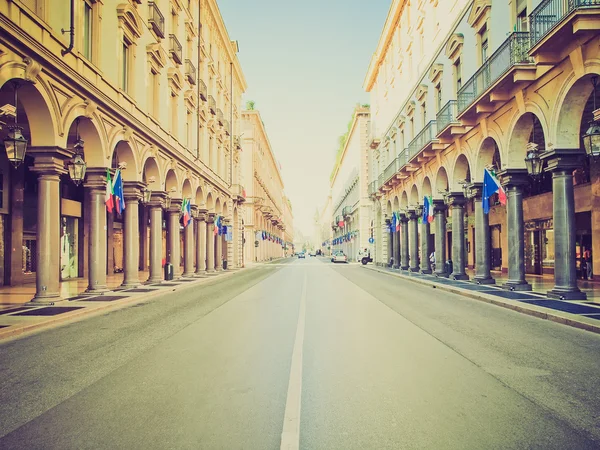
x: 569, y: 307
x: 48, y: 311
x: 105, y: 298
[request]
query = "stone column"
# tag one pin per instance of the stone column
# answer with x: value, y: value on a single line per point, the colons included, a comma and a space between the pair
x: 210, y: 243
x: 413, y: 240
x: 49, y: 167
x: 201, y: 242
x: 131, y: 251
x: 482, y: 239
x: 155, y: 206
x: 404, y: 265
x: 440, y: 238
x: 225, y: 250
x: 173, y: 237
x: 513, y: 181
x: 188, y: 246
x: 390, y: 242
x: 396, y: 239
x: 457, y: 203
x: 218, y: 252
x: 96, y: 192
x: 562, y: 163
x: 425, y: 248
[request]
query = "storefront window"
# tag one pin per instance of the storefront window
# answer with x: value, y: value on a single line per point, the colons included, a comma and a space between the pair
x: 548, y: 249
x: 29, y: 249
x: 69, y: 248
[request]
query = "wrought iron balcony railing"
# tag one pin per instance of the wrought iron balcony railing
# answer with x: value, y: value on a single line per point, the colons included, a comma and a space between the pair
x: 380, y: 181
x: 551, y: 12
x: 390, y: 170
x: 346, y: 211
x: 156, y: 20
x: 220, y: 116
x: 514, y: 50
x: 190, y: 71
x: 447, y: 115
x: 425, y: 136
x: 372, y: 187
x: 203, y: 90
x: 175, y: 49
x: 212, y: 105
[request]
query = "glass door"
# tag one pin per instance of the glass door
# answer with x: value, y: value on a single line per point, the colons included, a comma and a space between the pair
x: 69, y: 248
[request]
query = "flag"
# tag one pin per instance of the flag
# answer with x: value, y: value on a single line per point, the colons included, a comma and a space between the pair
x: 187, y: 212
x: 491, y: 185
x: 341, y: 223
x: 217, y: 223
x: 430, y: 216
x: 393, y: 228
x: 108, y: 197
x: 425, y: 217
x: 397, y: 221
x: 118, y: 192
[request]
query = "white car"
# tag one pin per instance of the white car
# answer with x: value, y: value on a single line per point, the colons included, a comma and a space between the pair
x: 339, y: 256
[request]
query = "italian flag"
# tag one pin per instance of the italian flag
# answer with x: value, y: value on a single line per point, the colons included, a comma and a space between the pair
x: 108, y: 197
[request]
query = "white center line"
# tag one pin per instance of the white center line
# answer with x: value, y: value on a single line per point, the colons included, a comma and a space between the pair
x: 290, y: 437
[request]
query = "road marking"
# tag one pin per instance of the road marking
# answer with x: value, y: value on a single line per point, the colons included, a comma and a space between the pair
x: 290, y: 437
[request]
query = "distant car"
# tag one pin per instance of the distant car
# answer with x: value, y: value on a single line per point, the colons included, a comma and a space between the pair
x: 301, y: 255
x: 312, y: 254
x: 339, y: 256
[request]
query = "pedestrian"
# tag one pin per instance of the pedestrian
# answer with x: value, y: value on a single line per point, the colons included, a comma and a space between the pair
x: 432, y: 260
x: 583, y: 268
x: 587, y: 256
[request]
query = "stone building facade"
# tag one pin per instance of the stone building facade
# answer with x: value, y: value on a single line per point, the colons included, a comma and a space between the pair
x: 351, y: 211
x: 268, y: 219
x: 459, y: 86
x: 152, y: 87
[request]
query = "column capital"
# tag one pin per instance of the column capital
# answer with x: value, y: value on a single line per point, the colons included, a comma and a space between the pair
x: 157, y: 199
x: 514, y: 177
x: 132, y: 190
x: 456, y: 200
x: 210, y: 217
x: 201, y: 214
x: 563, y: 159
x: 403, y: 218
x: 95, y: 178
x: 439, y: 206
x: 412, y: 214
x: 175, y: 205
x: 476, y: 190
x: 49, y: 160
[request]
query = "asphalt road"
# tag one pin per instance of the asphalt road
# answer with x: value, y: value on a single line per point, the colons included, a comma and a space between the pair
x: 332, y: 356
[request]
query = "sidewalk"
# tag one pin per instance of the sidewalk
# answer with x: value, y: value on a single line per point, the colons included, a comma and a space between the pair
x: 23, y: 317
x: 579, y: 314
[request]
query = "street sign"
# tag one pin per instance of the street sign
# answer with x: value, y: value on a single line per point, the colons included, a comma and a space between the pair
x: 371, y: 240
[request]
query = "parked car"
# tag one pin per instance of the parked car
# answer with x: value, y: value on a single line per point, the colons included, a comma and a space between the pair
x: 312, y: 254
x: 301, y: 255
x: 339, y: 256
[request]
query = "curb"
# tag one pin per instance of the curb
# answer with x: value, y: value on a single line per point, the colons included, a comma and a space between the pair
x: 13, y: 331
x: 531, y: 310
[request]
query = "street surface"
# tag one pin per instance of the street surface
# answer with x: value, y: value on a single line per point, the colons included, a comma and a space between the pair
x: 322, y: 356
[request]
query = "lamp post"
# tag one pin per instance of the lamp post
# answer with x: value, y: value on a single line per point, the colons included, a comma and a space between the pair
x: 76, y: 164
x: 15, y: 144
x: 591, y: 138
x: 533, y: 162
x: 147, y: 192
x: 168, y: 199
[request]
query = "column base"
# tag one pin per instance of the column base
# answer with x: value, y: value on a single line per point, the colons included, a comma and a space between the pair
x: 395, y: 267
x: 130, y: 285
x: 404, y: 267
x: 414, y: 269
x: 426, y: 271
x: 201, y: 274
x: 441, y: 274
x: 459, y: 276
x: 561, y: 294
x: 483, y: 280
x: 153, y: 280
x: 517, y: 286
x: 96, y: 291
x: 46, y: 297
x: 188, y: 275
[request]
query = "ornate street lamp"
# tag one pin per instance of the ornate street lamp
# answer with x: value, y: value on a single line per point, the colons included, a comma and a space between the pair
x: 591, y: 138
x: 76, y: 164
x: 15, y: 144
x: 147, y: 192
x: 168, y: 199
x: 533, y: 162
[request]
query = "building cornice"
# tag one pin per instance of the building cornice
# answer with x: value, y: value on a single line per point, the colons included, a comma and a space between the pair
x: 360, y: 111
x: 257, y: 119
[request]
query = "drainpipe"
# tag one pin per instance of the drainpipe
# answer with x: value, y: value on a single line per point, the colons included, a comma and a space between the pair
x: 198, y: 86
x: 71, y: 31
x: 231, y: 124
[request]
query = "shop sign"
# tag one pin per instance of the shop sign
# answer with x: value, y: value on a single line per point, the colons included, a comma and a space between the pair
x: 533, y: 225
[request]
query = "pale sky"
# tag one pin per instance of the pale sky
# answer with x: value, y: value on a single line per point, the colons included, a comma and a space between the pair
x: 305, y: 62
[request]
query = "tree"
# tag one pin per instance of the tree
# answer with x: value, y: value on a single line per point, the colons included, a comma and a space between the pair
x: 250, y: 105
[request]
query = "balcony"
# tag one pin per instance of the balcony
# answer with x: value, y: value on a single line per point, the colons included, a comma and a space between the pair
x: 238, y: 192
x: 372, y: 188
x: 547, y: 18
x: 203, y: 90
x: 212, y: 105
x: 190, y: 71
x: 346, y: 211
x: 511, y: 54
x: 156, y: 20
x: 226, y: 127
x: 422, y: 144
x: 219, y: 116
x: 448, y: 126
x: 390, y: 172
x: 175, y: 49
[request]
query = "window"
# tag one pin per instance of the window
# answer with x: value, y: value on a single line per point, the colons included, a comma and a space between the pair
x: 125, y: 67
x: 188, y: 131
x: 153, y: 92
x: 438, y: 97
x: 522, y: 23
x: 458, y: 74
x: 484, y: 45
x: 412, y: 127
x: 87, y: 29
x: 424, y: 113
x: 174, y: 108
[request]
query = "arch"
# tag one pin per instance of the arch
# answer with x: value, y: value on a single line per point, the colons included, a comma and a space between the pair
x: 569, y: 110
x: 520, y: 135
x: 186, y: 189
x: 388, y: 208
x: 210, y: 203
x: 462, y: 171
x: 171, y: 183
x: 123, y: 153
x: 396, y: 203
x: 236, y: 232
x: 151, y: 171
x: 426, y: 187
x: 404, y: 200
x: 485, y: 157
x: 218, y: 207
x: 414, y: 195
x: 93, y: 146
x: 441, y: 183
x: 34, y: 100
x: 200, y: 201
